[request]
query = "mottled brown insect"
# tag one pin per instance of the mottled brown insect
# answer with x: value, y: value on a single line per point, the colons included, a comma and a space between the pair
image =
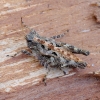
x: 53, y: 54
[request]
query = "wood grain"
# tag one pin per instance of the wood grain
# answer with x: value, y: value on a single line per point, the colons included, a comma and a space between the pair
x: 48, y: 18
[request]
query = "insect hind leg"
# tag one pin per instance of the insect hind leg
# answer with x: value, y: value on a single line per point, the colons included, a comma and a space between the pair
x: 74, y: 64
x: 76, y: 50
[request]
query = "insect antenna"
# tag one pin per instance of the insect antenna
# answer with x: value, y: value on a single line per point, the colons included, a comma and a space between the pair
x: 24, y: 25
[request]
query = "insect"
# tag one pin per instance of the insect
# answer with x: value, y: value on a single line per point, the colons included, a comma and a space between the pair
x: 57, y: 50
x: 51, y: 53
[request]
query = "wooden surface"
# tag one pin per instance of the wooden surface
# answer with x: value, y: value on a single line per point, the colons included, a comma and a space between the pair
x: 48, y: 18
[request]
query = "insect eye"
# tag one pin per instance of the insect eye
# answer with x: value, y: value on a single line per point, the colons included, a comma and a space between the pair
x: 54, y: 53
x: 29, y: 41
x: 42, y: 46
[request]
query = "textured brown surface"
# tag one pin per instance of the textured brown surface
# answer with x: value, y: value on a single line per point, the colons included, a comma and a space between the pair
x: 97, y: 15
x: 72, y: 88
x: 19, y: 75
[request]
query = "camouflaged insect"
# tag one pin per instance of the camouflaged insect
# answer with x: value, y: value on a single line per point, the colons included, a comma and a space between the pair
x: 54, y: 54
x: 51, y: 53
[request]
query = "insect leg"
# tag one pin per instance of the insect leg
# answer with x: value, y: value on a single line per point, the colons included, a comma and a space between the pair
x: 62, y: 70
x: 58, y: 36
x: 74, y: 64
x: 45, y: 77
x: 26, y: 52
x: 82, y: 65
x: 76, y: 50
x: 22, y: 51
